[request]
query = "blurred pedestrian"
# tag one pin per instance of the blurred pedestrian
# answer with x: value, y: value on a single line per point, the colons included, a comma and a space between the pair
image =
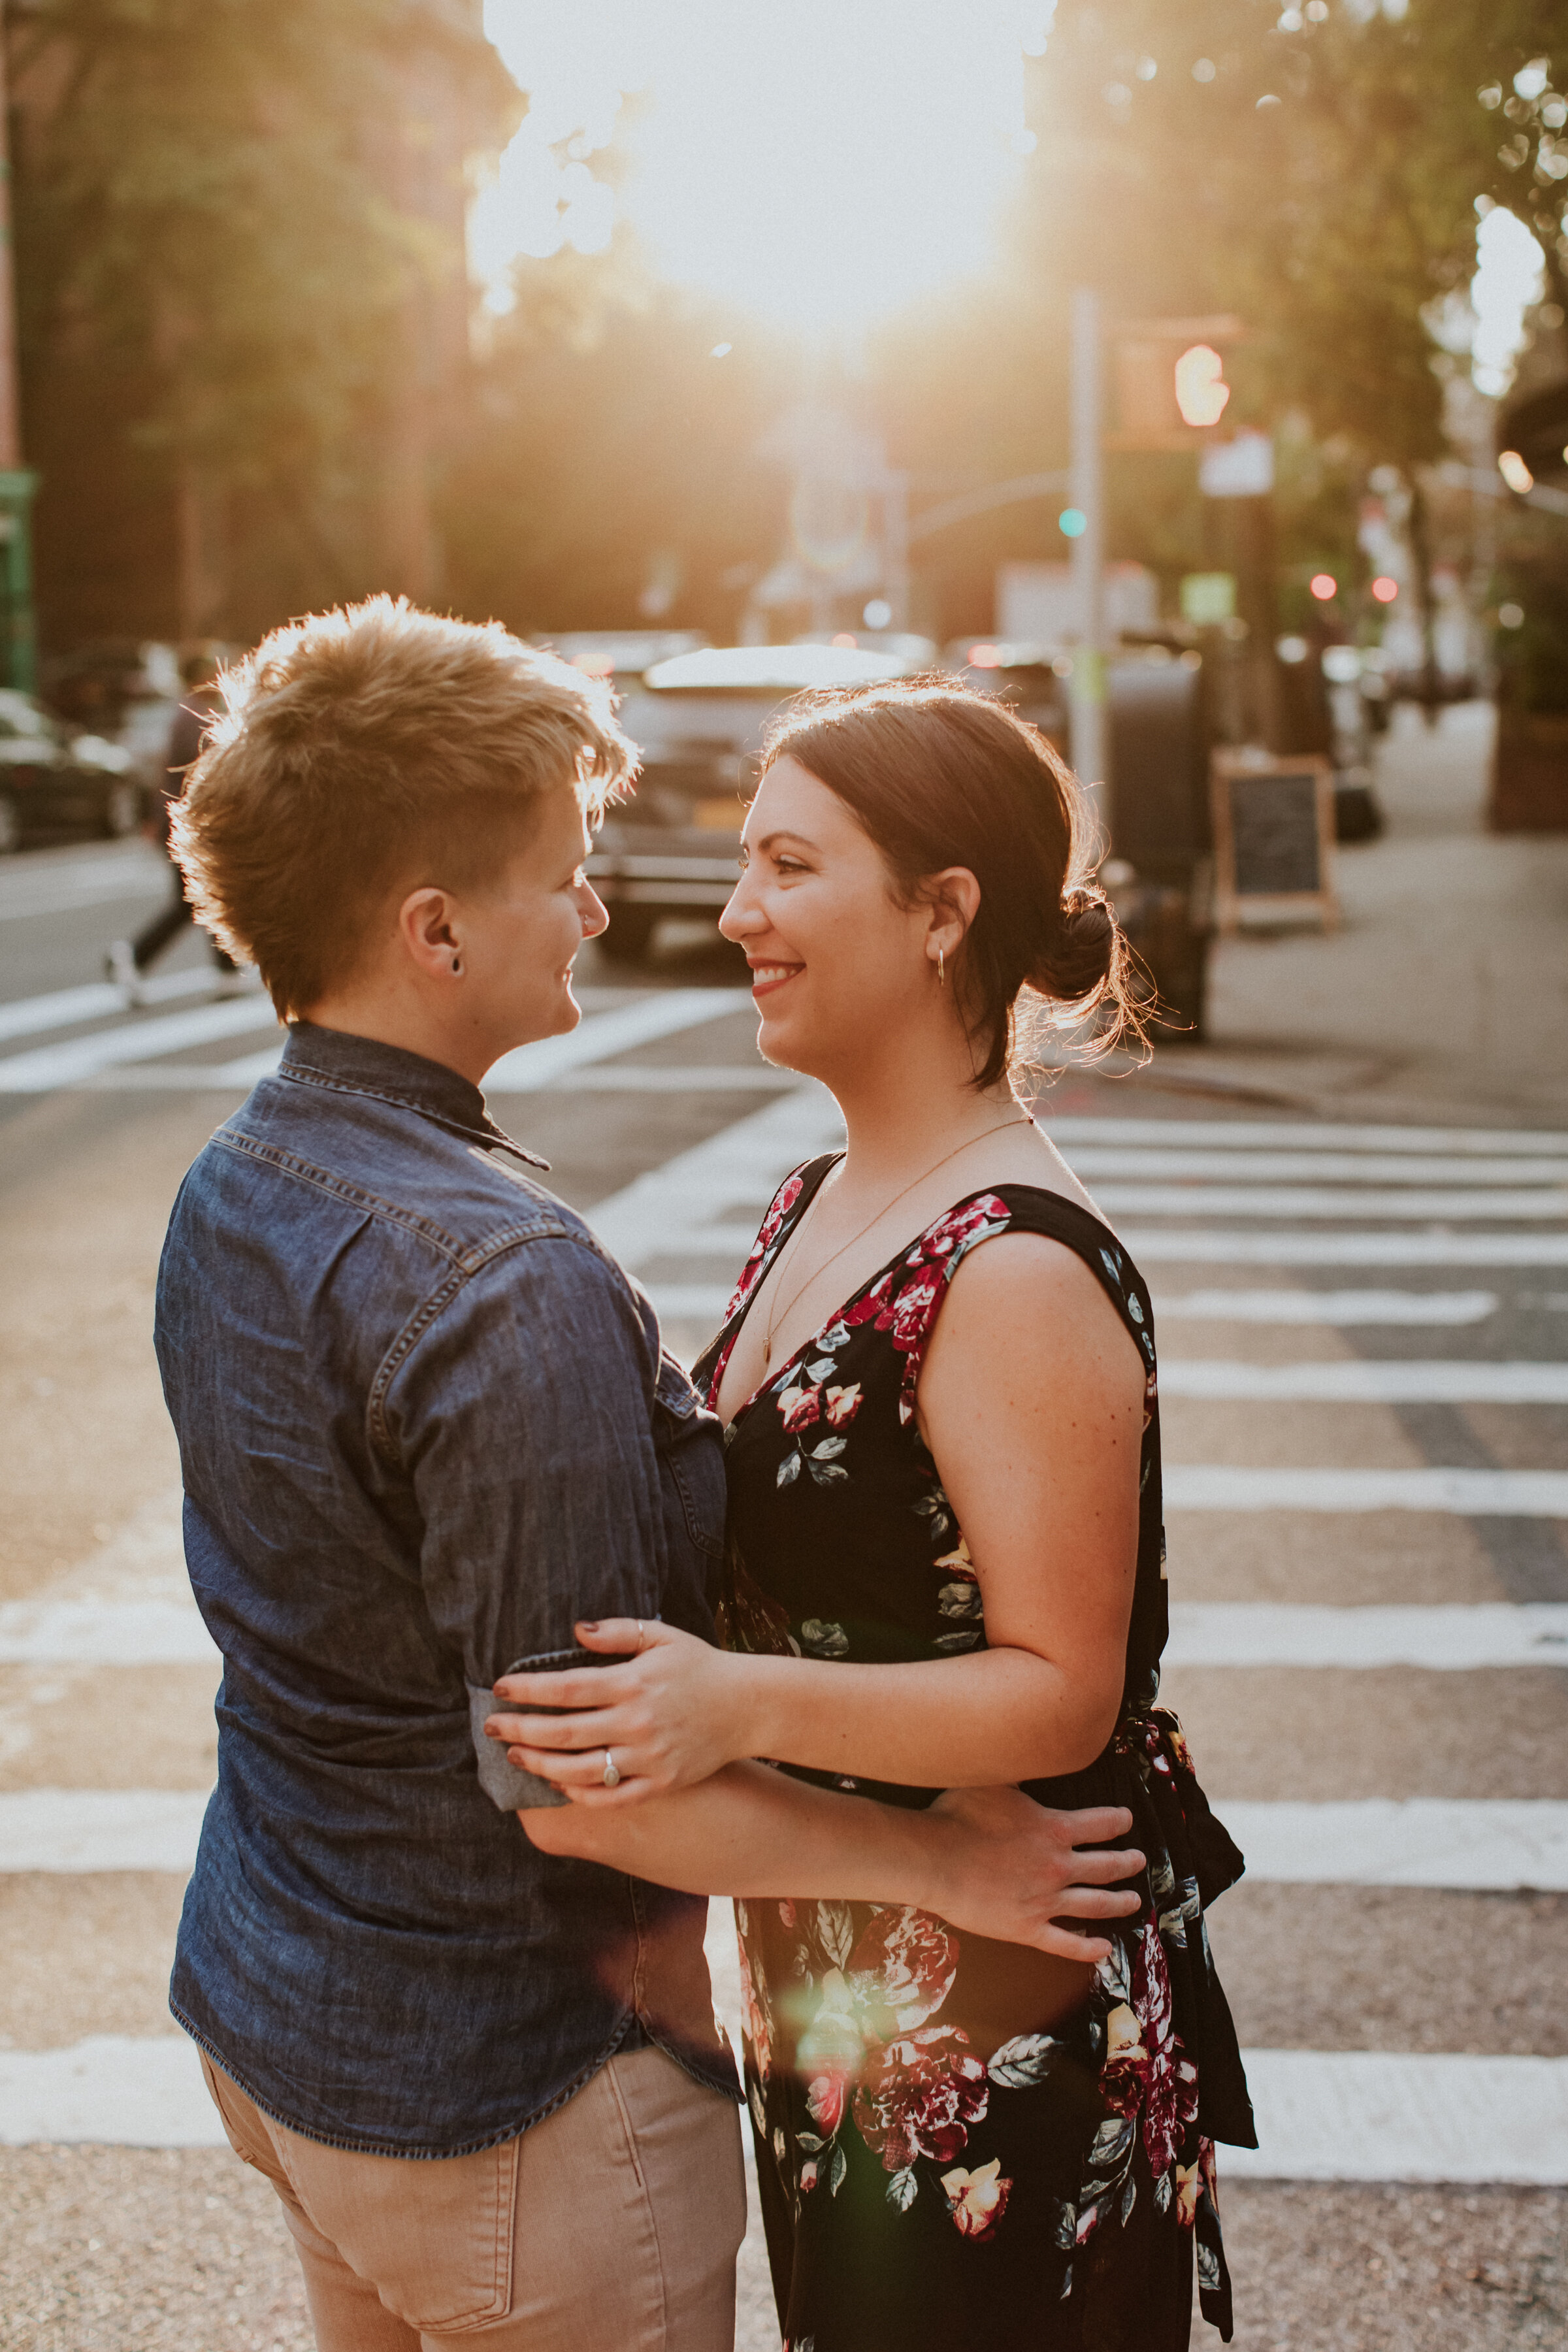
x: 128, y: 960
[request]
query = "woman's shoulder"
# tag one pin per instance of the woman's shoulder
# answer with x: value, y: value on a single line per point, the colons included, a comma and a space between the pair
x: 1013, y: 1210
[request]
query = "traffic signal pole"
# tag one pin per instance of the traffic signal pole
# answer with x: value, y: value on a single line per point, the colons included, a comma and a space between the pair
x: 17, y: 656
x: 1086, y: 688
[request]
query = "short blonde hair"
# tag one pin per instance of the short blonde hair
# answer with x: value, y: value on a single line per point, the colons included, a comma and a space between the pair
x: 369, y: 747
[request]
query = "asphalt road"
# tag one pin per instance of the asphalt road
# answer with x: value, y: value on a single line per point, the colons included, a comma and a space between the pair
x: 1380, y: 1956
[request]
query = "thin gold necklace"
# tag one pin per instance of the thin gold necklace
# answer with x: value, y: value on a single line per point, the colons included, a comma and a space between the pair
x: 777, y: 1317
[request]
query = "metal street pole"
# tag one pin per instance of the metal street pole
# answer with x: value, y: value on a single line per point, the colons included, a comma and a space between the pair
x: 17, y: 484
x: 1091, y: 745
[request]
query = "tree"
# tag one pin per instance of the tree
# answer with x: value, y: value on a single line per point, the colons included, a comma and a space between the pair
x: 240, y: 237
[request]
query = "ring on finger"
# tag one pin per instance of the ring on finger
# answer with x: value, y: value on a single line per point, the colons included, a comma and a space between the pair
x: 610, y: 1776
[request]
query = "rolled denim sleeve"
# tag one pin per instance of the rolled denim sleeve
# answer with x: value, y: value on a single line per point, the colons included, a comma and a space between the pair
x: 524, y: 1414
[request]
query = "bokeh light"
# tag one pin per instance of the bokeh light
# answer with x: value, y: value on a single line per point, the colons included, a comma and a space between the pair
x: 1202, y: 391
x: 1323, y: 585
x: 820, y: 164
x: 1072, y: 522
x: 1515, y: 472
x: 1385, y: 589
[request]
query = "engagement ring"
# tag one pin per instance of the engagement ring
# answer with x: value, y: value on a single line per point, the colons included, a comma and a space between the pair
x: 611, y: 1776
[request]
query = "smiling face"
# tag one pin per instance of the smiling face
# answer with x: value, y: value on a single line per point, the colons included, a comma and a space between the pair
x: 837, y: 964
x: 519, y: 932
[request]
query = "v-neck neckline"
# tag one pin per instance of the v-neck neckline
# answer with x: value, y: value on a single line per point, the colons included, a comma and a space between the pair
x: 828, y: 1322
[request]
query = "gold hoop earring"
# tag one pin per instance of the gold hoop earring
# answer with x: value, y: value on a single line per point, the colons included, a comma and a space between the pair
x: 941, y: 968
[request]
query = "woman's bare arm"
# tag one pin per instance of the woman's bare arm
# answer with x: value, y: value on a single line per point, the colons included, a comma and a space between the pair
x: 988, y: 1861
x: 1031, y: 1400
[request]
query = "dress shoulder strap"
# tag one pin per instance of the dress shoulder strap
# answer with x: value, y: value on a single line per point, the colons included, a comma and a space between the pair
x: 906, y: 1301
x: 788, y: 1204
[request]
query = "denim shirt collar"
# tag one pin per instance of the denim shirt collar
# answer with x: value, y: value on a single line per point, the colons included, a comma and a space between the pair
x: 342, y: 1063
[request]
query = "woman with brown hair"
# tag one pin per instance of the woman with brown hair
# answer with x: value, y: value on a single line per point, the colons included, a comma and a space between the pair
x: 945, y: 1570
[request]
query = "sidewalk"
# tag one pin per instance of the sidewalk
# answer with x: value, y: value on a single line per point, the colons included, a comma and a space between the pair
x: 1445, y: 992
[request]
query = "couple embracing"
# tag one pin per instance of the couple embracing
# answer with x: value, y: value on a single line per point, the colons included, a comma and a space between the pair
x: 531, y: 1644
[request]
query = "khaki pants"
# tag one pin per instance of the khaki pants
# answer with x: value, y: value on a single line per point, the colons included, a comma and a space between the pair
x: 612, y: 2226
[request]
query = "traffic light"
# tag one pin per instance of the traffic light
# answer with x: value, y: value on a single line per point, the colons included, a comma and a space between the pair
x: 1168, y: 380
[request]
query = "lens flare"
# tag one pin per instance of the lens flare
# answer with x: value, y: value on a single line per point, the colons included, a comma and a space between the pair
x: 820, y: 164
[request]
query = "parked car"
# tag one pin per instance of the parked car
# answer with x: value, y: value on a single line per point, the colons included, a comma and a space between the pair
x: 125, y: 691
x: 699, y: 720
x: 621, y: 654
x: 51, y: 777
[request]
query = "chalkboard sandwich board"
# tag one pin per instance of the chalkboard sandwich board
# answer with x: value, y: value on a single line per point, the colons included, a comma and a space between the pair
x: 1273, y: 838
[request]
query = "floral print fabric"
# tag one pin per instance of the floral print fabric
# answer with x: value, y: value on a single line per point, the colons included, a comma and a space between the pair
x: 942, y: 2158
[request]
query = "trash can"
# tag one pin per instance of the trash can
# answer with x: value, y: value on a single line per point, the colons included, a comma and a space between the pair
x: 1160, y: 874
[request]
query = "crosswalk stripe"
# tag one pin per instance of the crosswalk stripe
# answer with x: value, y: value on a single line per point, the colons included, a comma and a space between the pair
x: 1152, y: 1245
x: 113, y: 2090
x: 1296, y: 1135
x: 1506, y: 1207
x: 1091, y: 1162
x: 63, y: 1007
x: 155, y: 1632
x: 49, y: 1067
x: 1370, y: 2115
x: 1335, y: 1307
x: 660, y: 1015
x: 72, y: 1832
x: 1453, y: 1638
x: 1445, y: 1380
x: 1483, y: 1494
x: 161, y: 1632
x: 1471, y: 1844
x: 1476, y: 1844
x: 26, y: 891
x: 1341, y: 2115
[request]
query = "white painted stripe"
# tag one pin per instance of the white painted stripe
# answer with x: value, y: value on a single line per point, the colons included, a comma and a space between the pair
x: 664, y: 1214
x: 690, y: 1302
x: 620, y: 1077
x: 1480, y: 1494
x: 42, y: 885
x: 1470, y: 1843
x: 162, y: 1632
x: 685, y: 1078
x: 1090, y: 1162
x: 695, y: 1300
x: 1445, y: 1638
x: 28, y: 1016
x: 1323, y: 1201
x: 1149, y: 1245
x: 1444, y: 1381
x: 103, y: 1634
x: 71, y: 1831
x: 1368, y: 1842
x: 1297, y: 1135
x: 595, y: 1038
x: 113, y: 2090
x: 1337, y: 1306
x: 47, y: 1067
x: 1349, y: 2114
x: 1363, y: 2115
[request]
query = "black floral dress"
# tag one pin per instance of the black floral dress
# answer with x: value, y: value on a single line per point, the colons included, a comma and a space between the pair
x: 935, y: 2169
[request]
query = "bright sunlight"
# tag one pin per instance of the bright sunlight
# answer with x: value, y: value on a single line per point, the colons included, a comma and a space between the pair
x: 816, y: 163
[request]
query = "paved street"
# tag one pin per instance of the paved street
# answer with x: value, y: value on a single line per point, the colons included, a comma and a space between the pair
x: 1359, y: 1255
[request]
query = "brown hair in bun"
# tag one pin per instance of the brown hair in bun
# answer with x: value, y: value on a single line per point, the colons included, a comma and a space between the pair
x: 938, y: 775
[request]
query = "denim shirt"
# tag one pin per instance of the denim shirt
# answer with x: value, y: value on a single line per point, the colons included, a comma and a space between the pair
x: 425, y: 1424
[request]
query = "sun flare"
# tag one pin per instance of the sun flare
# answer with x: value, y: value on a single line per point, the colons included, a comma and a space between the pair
x: 815, y: 162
